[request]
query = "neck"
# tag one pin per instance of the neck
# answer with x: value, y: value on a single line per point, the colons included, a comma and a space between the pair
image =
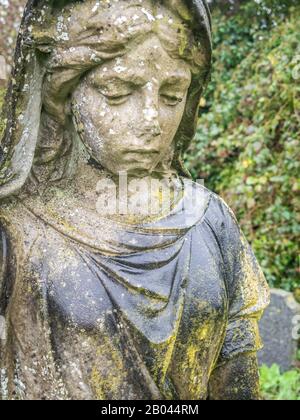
x: 128, y: 197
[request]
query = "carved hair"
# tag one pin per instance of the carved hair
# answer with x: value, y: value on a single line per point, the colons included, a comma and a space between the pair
x: 77, y: 38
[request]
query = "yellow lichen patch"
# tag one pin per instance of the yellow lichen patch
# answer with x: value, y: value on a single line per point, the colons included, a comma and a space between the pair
x: 109, y: 374
x: 192, y: 373
x: 163, y: 354
x: 96, y: 381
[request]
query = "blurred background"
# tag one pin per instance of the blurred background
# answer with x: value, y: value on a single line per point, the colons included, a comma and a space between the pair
x: 247, y: 150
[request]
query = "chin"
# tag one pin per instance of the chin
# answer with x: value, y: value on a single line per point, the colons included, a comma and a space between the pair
x: 138, y: 172
x: 137, y: 169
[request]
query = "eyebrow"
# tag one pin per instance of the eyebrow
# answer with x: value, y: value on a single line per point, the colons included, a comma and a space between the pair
x: 138, y: 79
x: 176, y: 79
x: 112, y: 75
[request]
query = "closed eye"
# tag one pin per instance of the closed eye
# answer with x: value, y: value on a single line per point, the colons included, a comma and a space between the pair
x: 117, y: 99
x: 116, y: 92
x: 171, y: 100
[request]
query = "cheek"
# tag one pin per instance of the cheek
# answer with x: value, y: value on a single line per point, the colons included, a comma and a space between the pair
x: 97, y: 119
x: 108, y: 121
x: 170, y: 119
x: 100, y: 115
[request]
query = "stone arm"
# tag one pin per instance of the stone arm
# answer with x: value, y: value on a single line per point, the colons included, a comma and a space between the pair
x: 237, y: 379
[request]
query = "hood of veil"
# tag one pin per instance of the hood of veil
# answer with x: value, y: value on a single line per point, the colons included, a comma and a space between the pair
x: 21, y: 114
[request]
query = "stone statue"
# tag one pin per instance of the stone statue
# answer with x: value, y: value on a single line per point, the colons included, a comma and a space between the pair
x: 118, y: 304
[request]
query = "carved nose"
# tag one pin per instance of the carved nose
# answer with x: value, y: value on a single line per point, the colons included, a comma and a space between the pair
x: 150, y: 113
x: 156, y: 130
x: 152, y: 128
x: 151, y: 122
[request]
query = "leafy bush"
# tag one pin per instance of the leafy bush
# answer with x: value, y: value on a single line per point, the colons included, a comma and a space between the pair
x: 280, y: 387
x: 247, y: 144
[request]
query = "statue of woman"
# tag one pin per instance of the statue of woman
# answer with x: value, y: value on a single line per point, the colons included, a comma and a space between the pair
x: 120, y: 304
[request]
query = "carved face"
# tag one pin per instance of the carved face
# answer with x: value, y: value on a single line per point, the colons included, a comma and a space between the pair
x: 128, y: 110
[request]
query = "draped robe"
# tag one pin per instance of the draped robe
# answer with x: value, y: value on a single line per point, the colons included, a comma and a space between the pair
x: 96, y: 309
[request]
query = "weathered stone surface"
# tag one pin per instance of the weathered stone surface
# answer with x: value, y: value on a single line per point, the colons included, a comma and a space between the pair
x: 279, y: 330
x: 103, y: 302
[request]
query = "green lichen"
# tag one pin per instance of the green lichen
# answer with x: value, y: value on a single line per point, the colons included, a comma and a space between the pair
x: 184, y: 41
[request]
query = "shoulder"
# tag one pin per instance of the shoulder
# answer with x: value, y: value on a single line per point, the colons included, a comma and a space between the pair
x: 19, y: 228
x: 215, y: 211
x: 222, y: 224
x: 219, y: 212
x: 221, y: 218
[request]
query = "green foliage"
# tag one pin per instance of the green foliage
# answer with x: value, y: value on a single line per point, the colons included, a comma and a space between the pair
x: 247, y: 144
x: 280, y: 387
x: 235, y: 37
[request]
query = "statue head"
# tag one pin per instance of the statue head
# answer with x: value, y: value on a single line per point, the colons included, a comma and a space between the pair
x: 116, y: 81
